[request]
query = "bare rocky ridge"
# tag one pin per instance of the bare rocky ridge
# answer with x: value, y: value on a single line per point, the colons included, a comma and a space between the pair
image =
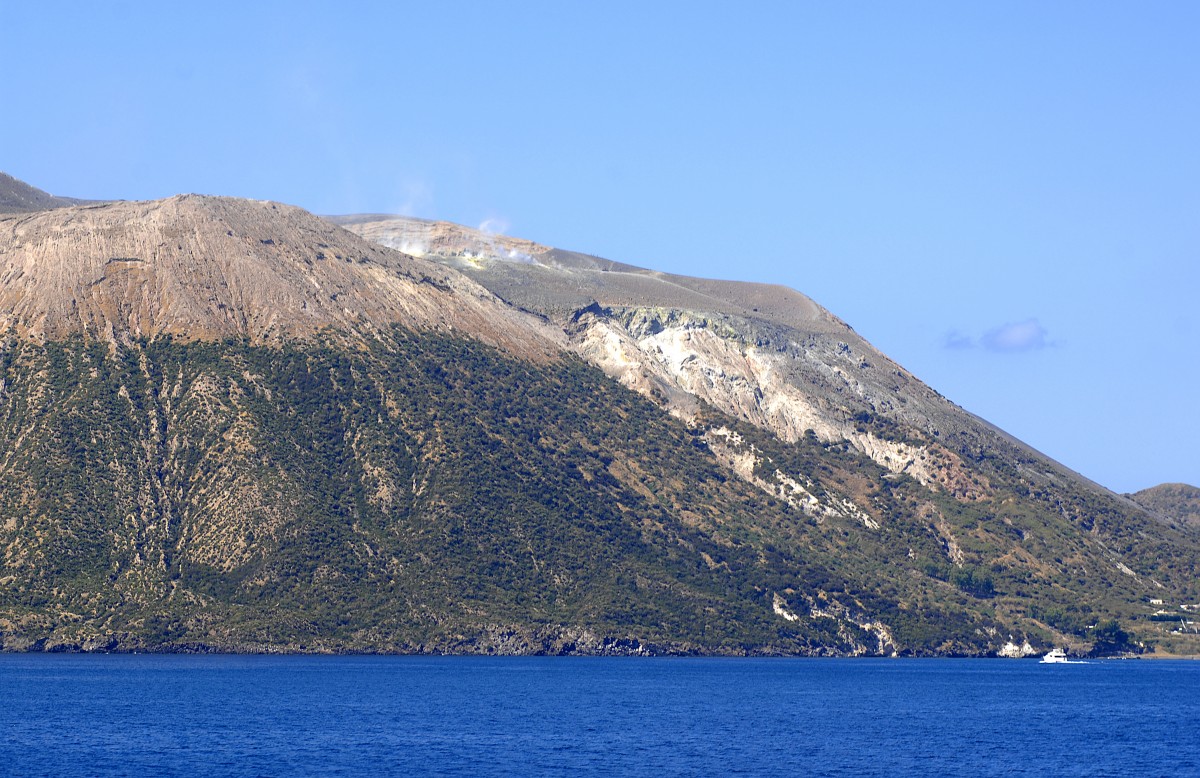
x: 198, y: 267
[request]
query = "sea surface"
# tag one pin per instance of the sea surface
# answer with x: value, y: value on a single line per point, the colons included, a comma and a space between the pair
x: 146, y: 715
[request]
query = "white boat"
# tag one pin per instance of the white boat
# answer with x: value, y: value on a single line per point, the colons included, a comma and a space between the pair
x: 1059, y: 657
x: 1055, y: 657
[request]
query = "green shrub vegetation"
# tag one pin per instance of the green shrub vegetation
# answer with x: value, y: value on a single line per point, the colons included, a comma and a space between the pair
x: 423, y: 492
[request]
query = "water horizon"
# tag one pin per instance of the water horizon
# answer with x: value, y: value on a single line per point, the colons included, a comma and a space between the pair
x: 269, y: 714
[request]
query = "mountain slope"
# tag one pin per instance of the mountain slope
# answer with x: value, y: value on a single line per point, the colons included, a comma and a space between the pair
x: 1177, y: 502
x: 19, y: 197
x: 426, y: 493
x: 208, y: 268
x: 230, y: 425
x: 773, y: 358
x: 764, y: 353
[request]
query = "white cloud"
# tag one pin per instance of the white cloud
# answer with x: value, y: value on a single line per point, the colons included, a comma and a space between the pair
x: 1027, y: 335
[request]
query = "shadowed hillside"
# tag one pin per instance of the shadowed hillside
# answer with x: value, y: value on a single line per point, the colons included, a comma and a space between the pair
x: 19, y: 197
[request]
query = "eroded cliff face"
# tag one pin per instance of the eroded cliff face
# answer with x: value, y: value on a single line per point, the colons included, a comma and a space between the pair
x: 678, y: 357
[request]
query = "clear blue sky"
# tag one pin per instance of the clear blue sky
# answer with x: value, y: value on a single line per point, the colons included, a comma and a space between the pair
x: 1004, y: 197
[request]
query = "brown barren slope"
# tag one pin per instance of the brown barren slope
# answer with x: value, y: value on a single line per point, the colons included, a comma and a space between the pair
x: 208, y: 268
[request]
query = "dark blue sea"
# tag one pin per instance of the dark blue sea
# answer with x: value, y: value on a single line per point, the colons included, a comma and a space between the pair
x: 93, y: 715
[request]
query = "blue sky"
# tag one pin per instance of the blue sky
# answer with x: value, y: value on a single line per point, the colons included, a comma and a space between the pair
x: 1003, y: 197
